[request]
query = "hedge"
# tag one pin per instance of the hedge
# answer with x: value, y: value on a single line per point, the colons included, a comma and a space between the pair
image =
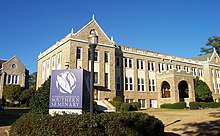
x: 104, y: 124
x: 178, y: 105
x: 125, y: 107
x: 136, y: 106
x: 203, y: 105
x: 117, y: 104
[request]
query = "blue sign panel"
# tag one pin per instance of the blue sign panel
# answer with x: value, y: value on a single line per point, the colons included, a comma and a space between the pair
x: 66, y: 89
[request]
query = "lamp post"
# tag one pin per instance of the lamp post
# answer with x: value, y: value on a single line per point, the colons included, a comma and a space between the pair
x: 93, y: 40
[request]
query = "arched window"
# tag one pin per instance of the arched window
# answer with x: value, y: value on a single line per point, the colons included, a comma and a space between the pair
x: 165, y: 89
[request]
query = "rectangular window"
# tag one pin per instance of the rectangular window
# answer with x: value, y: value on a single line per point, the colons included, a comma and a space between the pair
x: 140, y: 84
x: 200, y: 72
x: 79, y: 53
x: 48, y: 63
x: 178, y: 67
x: 128, y: 83
x: 9, y: 79
x: 151, y: 85
x: 95, y: 55
x: 143, y: 103
x: 151, y: 66
x: 128, y: 62
x: 118, y: 61
x: 106, y: 80
x: 118, y: 83
x: 161, y: 67
x: 106, y: 57
x: 53, y: 61
x: 96, y: 77
x: 59, y: 58
x: 140, y: 64
x: 129, y: 100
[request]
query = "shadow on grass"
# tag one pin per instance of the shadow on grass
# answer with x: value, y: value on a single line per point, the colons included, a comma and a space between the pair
x: 10, y: 115
x: 211, y: 128
x: 215, y: 114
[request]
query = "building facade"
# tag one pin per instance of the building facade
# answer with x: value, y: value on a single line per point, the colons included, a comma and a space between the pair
x: 13, y: 71
x: 150, y: 78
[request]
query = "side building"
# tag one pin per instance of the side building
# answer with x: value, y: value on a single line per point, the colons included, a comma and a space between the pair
x: 13, y: 71
x: 150, y: 78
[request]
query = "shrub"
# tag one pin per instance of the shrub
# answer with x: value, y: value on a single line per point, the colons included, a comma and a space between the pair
x: 104, y: 124
x: 136, y: 106
x: 26, y: 96
x: 178, y: 105
x: 117, y: 104
x: 2, y: 102
x: 11, y: 92
x: 125, y: 107
x: 194, y: 105
x: 39, y: 102
x: 117, y: 98
x: 203, y: 105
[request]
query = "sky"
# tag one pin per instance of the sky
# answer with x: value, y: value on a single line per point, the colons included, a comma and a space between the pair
x: 175, y: 27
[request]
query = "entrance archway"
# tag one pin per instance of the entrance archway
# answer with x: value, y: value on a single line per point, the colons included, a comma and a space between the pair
x: 165, y: 89
x: 183, y: 90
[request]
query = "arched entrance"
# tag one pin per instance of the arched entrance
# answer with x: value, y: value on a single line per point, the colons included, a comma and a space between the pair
x: 165, y: 89
x: 183, y: 90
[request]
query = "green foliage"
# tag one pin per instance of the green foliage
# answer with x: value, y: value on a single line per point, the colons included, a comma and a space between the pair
x: 32, y: 80
x: 26, y: 96
x: 135, y: 106
x: 202, y: 91
x: 203, y: 105
x: 178, y: 105
x: 39, y: 102
x: 125, y: 107
x: 117, y: 104
x: 118, y: 98
x: 2, y: 102
x: 104, y: 124
x: 213, y: 42
x: 12, y: 92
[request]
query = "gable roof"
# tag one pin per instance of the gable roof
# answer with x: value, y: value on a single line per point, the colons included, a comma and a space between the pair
x: 203, y: 57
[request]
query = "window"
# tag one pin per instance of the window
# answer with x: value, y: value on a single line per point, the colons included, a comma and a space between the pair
x: 128, y: 83
x: 151, y: 85
x: 217, y: 73
x: 118, y: 61
x: 140, y: 84
x: 13, y: 79
x: 169, y: 67
x: 96, y: 77
x: 161, y: 67
x: 151, y: 66
x: 79, y: 53
x: 128, y: 62
x: 194, y: 71
x: 48, y: 63
x: 200, y: 72
x: 118, y: 83
x: 218, y: 88
x: 178, y: 67
x: 129, y: 100
x: 106, y: 80
x: 95, y: 56
x: 13, y: 65
x: 53, y: 61
x: 59, y: 58
x: 140, y: 64
x: 143, y: 103
x: 106, y: 57
x: 186, y: 68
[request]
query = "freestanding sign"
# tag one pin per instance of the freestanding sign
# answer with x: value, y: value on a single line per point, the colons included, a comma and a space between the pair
x: 69, y: 91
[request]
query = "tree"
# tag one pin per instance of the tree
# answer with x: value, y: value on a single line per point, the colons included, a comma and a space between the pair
x: 202, y: 91
x: 213, y: 42
x: 32, y: 80
x: 39, y: 102
x: 26, y: 96
x: 12, y: 92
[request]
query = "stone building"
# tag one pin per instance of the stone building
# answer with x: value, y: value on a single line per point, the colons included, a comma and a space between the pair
x: 148, y: 77
x: 12, y: 71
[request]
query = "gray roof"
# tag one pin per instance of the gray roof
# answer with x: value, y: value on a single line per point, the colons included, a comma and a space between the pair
x: 203, y: 57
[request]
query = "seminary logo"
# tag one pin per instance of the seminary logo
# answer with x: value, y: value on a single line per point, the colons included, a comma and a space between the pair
x: 66, y: 82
